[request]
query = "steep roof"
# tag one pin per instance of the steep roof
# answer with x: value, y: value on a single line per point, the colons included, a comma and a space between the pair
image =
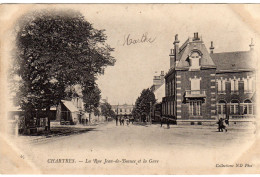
x: 187, y: 48
x: 160, y: 93
x: 233, y: 61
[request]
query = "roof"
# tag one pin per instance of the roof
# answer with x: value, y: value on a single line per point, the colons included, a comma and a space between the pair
x: 160, y: 93
x: 70, y: 105
x: 198, y: 45
x: 241, y: 60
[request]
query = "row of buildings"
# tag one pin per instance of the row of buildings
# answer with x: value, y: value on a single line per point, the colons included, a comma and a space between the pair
x: 203, y: 85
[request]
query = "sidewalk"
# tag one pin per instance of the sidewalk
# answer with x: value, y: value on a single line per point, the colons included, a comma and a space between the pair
x: 57, y: 131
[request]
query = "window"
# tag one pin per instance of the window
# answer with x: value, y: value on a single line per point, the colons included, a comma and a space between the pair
x: 172, y: 108
x: 169, y: 108
x: 170, y: 112
x: 195, y: 83
x: 222, y: 107
x: 194, y: 60
x: 234, y: 105
x: 248, y: 107
x: 163, y: 108
x: 195, y: 108
x: 221, y: 85
x: 249, y: 84
x: 170, y: 88
x: 234, y: 85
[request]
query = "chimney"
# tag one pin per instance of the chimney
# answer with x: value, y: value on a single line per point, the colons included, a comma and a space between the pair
x: 174, y: 52
x: 196, y: 36
x: 211, y: 47
x: 252, y: 44
x: 162, y: 77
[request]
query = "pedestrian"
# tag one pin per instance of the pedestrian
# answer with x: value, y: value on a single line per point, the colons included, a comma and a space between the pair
x: 219, y: 124
x: 116, y: 121
x: 225, y: 125
x: 123, y: 121
x: 168, y: 123
x: 227, y: 121
x: 161, y: 122
x: 120, y: 121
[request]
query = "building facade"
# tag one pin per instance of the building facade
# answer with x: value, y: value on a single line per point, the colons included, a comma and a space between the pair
x: 123, y: 111
x: 202, y: 85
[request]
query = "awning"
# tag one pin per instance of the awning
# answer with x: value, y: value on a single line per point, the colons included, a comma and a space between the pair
x: 70, y: 106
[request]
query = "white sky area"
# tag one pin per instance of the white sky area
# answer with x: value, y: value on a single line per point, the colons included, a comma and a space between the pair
x: 136, y: 64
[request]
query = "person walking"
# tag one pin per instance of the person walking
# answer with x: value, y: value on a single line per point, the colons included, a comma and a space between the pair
x: 116, y: 121
x: 123, y: 121
x: 221, y: 125
x: 161, y: 122
x: 168, y: 123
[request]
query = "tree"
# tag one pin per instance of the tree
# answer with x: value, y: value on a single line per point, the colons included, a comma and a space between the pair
x: 55, y: 50
x: 144, y: 104
x: 106, y: 110
x: 91, y: 98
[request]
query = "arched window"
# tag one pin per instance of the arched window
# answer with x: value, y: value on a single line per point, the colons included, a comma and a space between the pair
x: 194, y: 60
x: 234, y: 106
x: 248, y: 107
x: 222, y: 107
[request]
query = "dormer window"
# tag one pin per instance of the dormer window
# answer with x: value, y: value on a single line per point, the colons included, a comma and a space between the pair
x: 194, y: 60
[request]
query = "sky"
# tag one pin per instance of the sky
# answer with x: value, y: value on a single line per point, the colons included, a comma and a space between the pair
x: 137, y: 63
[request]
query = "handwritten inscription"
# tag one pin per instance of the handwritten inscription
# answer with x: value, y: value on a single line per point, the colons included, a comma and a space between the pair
x: 129, y: 40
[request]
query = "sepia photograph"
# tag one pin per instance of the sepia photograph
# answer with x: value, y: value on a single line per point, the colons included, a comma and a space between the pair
x: 129, y: 89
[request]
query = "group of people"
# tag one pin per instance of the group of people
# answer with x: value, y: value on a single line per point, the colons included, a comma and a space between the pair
x: 122, y: 121
x: 222, y: 124
x: 167, y: 122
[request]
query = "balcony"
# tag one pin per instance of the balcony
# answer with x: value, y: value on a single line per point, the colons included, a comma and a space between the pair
x: 195, y: 93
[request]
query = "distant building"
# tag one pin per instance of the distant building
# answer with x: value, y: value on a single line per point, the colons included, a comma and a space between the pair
x: 70, y: 112
x: 202, y: 85
x: 73, y: 112
x: 158, y: 88
x: 158, y: 81
x: 123, y: 111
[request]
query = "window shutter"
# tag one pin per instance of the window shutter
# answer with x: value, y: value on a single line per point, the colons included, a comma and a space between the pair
x: 250, y: 84
x: 219, y: 85
x: 223, y: 85
x: 232, y: 85
x: 245, y: 85
x: 236, y: 85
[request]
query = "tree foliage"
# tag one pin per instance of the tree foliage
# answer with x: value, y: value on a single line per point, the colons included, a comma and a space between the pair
x: 91, y: 98
x: 143, y: 103
x: 106, y: 110
x: 55, y: 50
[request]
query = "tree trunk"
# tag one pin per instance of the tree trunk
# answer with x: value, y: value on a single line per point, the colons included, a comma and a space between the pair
x: 89, y: 118
x: 48, y: 118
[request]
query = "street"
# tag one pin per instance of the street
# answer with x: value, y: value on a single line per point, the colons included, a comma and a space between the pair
x: 181, y: 145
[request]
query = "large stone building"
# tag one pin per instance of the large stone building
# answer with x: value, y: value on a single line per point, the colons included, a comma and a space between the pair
x: 202, y: 85
x: 123, y: 111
